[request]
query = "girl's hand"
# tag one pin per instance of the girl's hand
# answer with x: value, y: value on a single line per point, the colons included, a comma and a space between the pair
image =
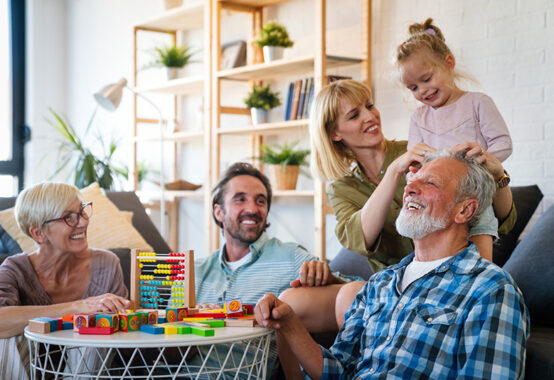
x: 411, y: 160
x: 105, y: 303
x: 493, y: 164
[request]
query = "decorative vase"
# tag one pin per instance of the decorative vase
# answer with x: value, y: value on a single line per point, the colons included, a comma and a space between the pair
x: 272, y: 53
x: 172, y: 73
x: 285, y: 179
x: 259, y: 115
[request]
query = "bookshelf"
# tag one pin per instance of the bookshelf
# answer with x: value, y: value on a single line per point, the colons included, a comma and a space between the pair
x: 314, y: 65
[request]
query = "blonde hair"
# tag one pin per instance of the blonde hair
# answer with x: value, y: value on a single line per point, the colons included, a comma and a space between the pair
x: 331, y: 160
x: 424, y: 37
x: 39, y: 203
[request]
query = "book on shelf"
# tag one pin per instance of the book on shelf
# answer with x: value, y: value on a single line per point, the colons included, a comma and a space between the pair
x: 310, y: 98
x: 303, y: 91
x: 295, y: 99
x: 288, y: 105
x: 306, y: 104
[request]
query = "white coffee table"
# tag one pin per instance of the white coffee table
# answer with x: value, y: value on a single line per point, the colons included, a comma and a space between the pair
x: 234, y: 352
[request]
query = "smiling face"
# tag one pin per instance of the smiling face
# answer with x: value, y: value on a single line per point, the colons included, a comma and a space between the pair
x: 244, y: 210
x: 358, y: 125
x: 431, y: 84
x: 62, y: 237
x: 430, y: 198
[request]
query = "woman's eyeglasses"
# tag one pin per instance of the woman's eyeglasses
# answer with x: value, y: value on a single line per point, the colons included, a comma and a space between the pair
x: 72, y: 219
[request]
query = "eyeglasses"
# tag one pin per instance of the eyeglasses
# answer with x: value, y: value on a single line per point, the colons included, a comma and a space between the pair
x: 72, y: 219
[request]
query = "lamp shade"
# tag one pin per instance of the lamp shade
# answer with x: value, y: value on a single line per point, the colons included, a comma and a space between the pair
x: 109, y: 96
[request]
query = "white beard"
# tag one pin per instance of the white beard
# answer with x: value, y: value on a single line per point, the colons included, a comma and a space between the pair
x: 418, y: 225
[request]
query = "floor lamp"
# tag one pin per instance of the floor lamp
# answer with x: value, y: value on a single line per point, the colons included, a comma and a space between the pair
x: 109, y: 98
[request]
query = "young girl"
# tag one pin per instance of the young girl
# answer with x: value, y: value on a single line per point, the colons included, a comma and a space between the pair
x: 450, y: 116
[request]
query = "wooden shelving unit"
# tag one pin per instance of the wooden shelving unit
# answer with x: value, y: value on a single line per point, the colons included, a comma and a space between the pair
x: 315, y: 65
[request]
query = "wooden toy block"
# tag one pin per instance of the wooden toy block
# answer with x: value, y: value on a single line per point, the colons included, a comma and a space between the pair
x: 233, y: 307
x: 68, y: 318
x: 248, y: 309
x: 162, y: 320
x: 240, y: 322
x: 202, y: 331
x: 152, y: 329
x: 96, y: 330
x: 83, y: 320
x: 129, y: 322
x: 196, y: 324
x: 67, y: 325
x: 152, y: 317
x: 194, y: 319
x: 143, y: 317
x: 107, y: 320
x: 214, y: 322
x: 192, y: 311
x: 184, y: 330
x: 210, y: 315
x: 170, y: 329
x: 39, y: 326
x: 173, y: 314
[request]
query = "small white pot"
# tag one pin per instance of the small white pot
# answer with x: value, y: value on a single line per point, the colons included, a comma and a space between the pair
x: 259, y: 115
x: 172, y: 72
x: 272, y: 53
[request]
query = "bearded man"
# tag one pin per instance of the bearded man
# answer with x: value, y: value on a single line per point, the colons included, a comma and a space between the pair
x: 442, y: 312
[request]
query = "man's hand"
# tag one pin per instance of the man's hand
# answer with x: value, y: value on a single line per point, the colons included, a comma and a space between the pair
x: 272, y: 312
x: 314, y: 273
x: 205, y: 305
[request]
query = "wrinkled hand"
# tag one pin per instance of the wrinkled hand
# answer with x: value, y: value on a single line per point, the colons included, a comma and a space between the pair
x: 313, y: 273
x: 473, y: 149
x: 105, y: 303
x: 272, y: 312
x: 411, y: 160
x: 205, y: 305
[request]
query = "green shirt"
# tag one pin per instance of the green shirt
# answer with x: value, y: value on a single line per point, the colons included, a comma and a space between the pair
x: 348, y: 196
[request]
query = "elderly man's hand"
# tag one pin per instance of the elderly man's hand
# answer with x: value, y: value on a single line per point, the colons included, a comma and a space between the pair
x: 271, y: 312
x: 493, y: 164
x: 314, y: 273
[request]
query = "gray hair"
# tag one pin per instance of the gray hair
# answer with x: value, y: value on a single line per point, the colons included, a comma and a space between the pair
x: 477, y: 184
x: 39, y: 203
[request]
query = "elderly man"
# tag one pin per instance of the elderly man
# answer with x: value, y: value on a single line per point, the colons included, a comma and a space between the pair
x: 442, y: 312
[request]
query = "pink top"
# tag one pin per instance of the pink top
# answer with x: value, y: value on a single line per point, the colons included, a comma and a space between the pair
x: 473, y: 117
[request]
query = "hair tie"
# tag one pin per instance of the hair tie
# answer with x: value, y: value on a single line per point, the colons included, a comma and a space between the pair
x: 430, y: 31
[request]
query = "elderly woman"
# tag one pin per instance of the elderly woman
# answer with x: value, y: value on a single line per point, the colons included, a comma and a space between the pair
x: 62, y: 276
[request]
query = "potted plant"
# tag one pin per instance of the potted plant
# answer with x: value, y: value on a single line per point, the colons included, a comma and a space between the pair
x: 286, y: 162
x: 273, y: 38
x: 88, y: 167
x: 260, y: 100
x: 173, y: 58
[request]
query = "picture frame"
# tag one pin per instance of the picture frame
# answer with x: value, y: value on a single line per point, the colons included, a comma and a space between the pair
x: 233, y: 54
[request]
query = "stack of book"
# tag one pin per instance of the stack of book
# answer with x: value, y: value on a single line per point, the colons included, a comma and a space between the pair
x: 301, y: 95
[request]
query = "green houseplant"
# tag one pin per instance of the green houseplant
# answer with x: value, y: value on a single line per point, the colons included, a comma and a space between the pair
x: 173, y: 58
x: 273, y: 38
x: 260, y: 100
x: 87, y: 166
x: 286, y: 161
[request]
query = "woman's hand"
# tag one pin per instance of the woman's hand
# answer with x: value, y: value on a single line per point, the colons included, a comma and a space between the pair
x: 108, y: 302
x: 493, y: 164
x: 412, y: 158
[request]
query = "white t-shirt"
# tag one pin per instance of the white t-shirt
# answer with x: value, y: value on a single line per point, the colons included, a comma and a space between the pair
x: 417, y: 269
x: 233, y: 265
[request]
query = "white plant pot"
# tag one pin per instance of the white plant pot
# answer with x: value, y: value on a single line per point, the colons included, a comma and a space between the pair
x: 172, y: 72
x: 272, y: 53
x: 259, y: 115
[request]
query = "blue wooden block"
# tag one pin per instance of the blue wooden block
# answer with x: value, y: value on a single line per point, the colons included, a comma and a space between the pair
x: 53, y: 323
x: 162, y: 320
x: 152, y: 329
x: 67, y: 326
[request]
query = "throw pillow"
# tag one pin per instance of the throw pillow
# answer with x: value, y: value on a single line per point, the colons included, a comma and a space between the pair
x: 23, y: 243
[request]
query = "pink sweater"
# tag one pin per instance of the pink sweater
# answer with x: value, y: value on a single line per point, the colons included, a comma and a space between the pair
x: 473, y: 117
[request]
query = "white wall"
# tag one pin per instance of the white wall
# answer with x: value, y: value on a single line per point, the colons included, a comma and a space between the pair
x: 75, y: 47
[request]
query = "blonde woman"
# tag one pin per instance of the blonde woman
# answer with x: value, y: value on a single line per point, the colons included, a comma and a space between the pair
x: 62, y: 276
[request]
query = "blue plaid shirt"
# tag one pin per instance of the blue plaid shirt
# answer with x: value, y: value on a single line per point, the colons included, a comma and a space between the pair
x: 465, y: 319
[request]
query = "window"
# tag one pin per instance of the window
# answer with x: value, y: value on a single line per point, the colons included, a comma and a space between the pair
x: 12, y: 96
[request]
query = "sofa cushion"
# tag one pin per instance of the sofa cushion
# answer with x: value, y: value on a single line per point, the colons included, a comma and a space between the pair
x: 540, y: 354
x: 351, y: 264
x: 526, y: 200
x: 128, y: 201
x: 531, y: 266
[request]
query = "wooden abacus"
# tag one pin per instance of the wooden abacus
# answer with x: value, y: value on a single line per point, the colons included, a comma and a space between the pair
x: 159, y: 280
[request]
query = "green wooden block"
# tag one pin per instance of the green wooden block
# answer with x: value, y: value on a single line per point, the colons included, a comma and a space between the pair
x: 202, y: 331
x: 183, y: 330
x: 214, y: 322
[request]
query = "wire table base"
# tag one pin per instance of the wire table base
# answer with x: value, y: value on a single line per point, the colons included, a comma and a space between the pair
x: 241, y: 358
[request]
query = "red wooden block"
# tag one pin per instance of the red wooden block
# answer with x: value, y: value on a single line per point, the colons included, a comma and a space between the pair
x: 96, y: 330
x: 210, y: 315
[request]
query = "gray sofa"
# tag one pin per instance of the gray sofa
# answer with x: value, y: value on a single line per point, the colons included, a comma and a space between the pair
x: 531, y: 264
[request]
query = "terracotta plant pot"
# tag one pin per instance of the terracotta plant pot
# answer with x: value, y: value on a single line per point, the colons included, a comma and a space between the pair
x: 285, y: 179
